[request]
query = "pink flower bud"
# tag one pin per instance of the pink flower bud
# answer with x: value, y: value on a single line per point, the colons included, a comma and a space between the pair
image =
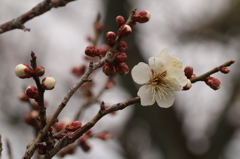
x: 120, y: 57
x: 73, y: 126
x: 99, y: 26
x: 23, y: 71
x: 32, y: 92
x: 110, y: 83
x: 104, y: 136
x: 122, y: 46
x: 60, y: 125
x: 48, y: 83
x: 124, y: 31
x: 122, y: 68
x: 62, y: 135
x: 23, y: 97
x: 30, y: 118
x: 91, y: 51
x: 188, y: 85
x: 188, y: 71
x: 42, y: 149
x: 193, y: 76
x: 103, y: 49
x: 120, y: 20
x: 109, y: 69
x: 133, y: 23
x: 224, y: 70
x: 110, y: 38
x: 212, y: 82
x: 84, y: 145
x: 142, y: 17
x: 35, y: 105
x: 79, y: 71
x: 39, y: 71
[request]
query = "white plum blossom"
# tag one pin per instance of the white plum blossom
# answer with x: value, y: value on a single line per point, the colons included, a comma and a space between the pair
x: 160, y: 78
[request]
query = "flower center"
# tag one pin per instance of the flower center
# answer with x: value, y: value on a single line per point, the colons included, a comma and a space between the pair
x: 159, y: 86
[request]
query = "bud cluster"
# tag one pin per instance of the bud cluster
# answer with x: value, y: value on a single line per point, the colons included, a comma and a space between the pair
x: 118, y: 65
x: 25, y: 71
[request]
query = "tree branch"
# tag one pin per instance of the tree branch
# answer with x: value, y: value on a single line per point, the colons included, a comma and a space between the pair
x: 214, y: 70
x: 39, y: 9
x: 102, y: 112
x: 85, y: 78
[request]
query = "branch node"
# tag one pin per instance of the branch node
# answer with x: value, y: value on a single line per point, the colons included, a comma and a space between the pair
x: 102, y: 106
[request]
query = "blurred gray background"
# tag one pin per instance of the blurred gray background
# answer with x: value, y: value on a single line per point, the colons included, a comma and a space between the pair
x: 202, y: 124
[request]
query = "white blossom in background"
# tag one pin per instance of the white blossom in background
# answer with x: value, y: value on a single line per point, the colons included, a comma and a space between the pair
x: 160, y: 78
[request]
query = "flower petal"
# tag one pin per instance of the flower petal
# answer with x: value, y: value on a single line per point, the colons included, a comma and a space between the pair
x: 157, y: 64
x: 141, y: 73
x: 146, y: 95
x: 176, y: 62
x: 177, y: 74
x: 164, y: 55
x: 166, y: 103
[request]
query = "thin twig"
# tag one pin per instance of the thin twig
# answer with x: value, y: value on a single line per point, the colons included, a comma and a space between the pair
x: 9, y: 150
x: 214, y: 70
x: 42, y: 109
x: 1, y: 146
x: 39, y: 9
x: 88, y: 102
x: 71, y: 138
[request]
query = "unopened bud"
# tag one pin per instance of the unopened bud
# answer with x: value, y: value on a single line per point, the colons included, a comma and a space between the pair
x: 109, y: 69
x: 120, y: 57
x: 188, y: 85
x: 42, y: 149
x: 110, y: 83
x: 103, y: 49
x: 99, y: 26
x: 32, y: 92
x: 224, y: 70
x: 110, y: 38
x: 48, y: 83
x: 60, y: 125
x: 91, y: 51
x: 62, y: 135
x: 30, y: 118
x: 212, y: 82
x: 193, y: 76
x: 122, y: 68
x: 142, y: 17
x: 104, y: 136
x: 122, y: 46
x: 73, y: 126
x: 188, y: 71
x: 35, y: 105
x: 23, y: 97
x: 23, y: 71
x: 79, y: 71
x: 39, y: 71
x: 84, y: 145
x: 133, y: 23
x: 124, y: 31
x: 120, y: 20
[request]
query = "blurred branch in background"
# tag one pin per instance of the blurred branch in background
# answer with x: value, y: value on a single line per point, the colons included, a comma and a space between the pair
x: 39, y: 9
x: 225, y: 25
